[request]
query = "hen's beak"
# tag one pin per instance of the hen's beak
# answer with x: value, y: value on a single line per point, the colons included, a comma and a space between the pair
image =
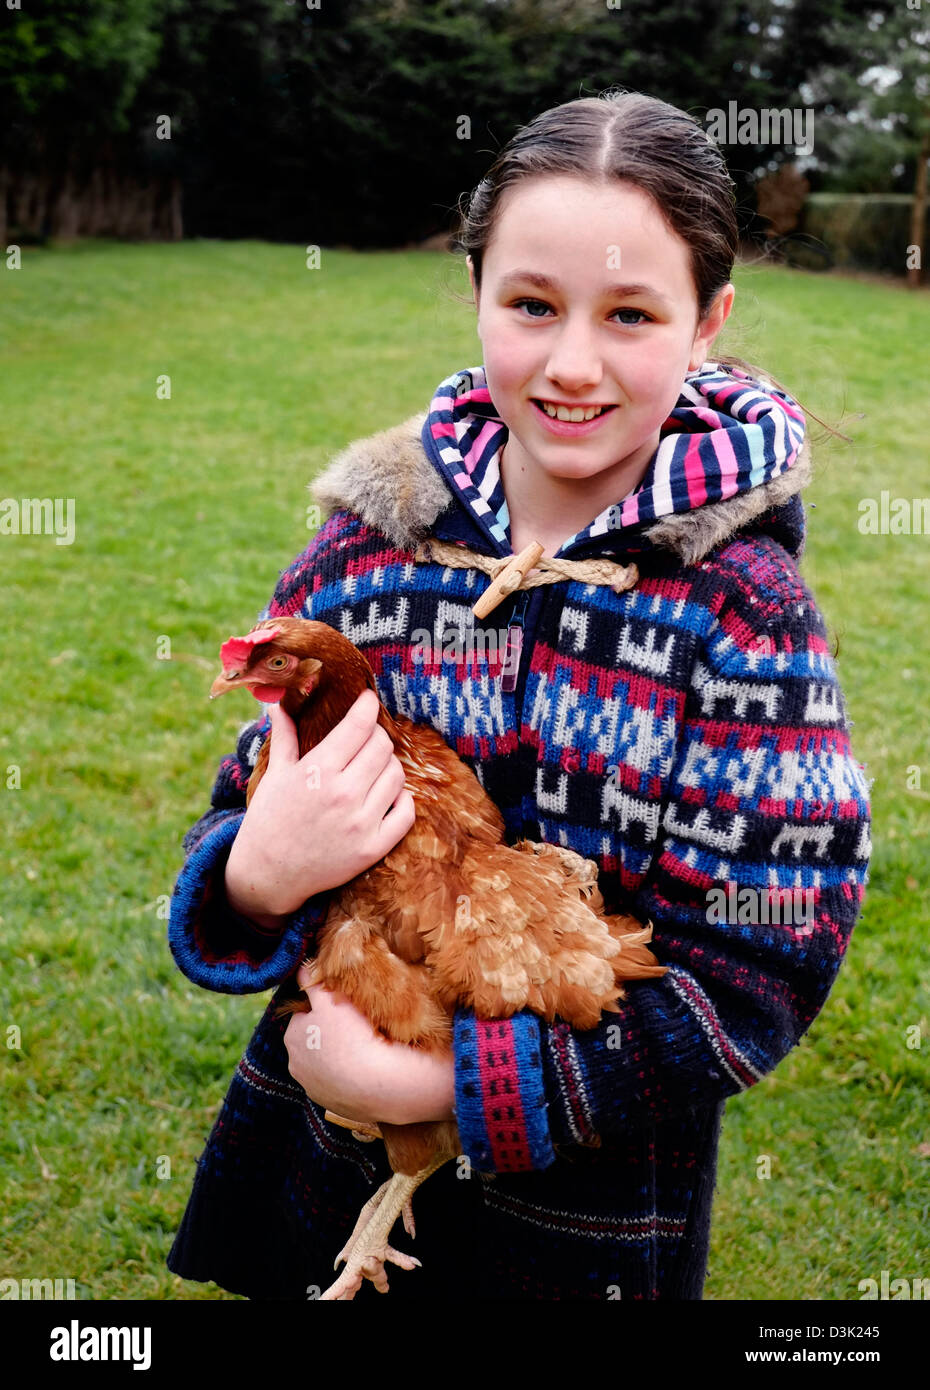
x: 229, y: 680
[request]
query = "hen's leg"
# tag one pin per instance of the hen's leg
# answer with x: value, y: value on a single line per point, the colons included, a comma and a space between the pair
x: 367, y: 1249
x: 365, y: 1216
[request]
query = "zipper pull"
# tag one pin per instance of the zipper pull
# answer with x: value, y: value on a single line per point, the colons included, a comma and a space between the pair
x: 514, y: 649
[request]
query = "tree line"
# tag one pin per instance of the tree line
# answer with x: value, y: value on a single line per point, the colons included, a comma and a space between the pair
x: 362, y: 121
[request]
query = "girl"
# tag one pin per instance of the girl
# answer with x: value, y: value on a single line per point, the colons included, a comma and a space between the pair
x: 686, y: 732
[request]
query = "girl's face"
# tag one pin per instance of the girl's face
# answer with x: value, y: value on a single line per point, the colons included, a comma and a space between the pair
x: 587, y: 299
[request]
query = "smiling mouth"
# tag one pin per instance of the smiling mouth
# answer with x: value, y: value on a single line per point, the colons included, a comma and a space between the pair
x: 572, y: 414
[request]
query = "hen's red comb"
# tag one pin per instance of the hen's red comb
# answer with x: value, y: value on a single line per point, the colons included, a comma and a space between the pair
x: 237, y: 650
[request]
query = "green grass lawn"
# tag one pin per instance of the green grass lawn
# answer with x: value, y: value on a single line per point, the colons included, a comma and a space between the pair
x: 186, y: 510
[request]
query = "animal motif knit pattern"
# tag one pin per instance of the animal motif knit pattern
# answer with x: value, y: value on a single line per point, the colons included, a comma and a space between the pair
x: 687, y: 734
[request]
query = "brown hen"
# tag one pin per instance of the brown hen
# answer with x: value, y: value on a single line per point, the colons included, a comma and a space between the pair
x: 451, y: 917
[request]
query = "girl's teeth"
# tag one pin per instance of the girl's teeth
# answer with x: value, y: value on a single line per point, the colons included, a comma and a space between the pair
x: 575, y: 415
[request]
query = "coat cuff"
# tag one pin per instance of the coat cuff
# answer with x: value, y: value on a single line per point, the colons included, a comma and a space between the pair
x: 500, y: 1103
x: 218, y: 948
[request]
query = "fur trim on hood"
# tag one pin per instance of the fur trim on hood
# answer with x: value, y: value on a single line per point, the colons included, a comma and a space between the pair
x: 387, y: 479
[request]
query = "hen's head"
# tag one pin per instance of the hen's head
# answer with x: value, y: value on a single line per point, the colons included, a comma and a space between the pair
x: 304, y: 664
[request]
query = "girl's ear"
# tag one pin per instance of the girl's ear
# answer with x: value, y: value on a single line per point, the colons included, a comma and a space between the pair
x: 710, y: 326
x: 471, y: 276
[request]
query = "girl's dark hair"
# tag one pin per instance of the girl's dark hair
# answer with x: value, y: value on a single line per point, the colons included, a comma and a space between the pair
x: 636, y: 138
x: 647, y: 143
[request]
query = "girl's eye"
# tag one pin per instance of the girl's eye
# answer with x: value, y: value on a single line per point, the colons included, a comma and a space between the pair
x: 638, y: 315
x: 275, y: 663
x: 521, y: 303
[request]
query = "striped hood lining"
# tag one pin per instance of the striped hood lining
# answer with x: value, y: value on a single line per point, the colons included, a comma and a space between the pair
x: 727, y: 434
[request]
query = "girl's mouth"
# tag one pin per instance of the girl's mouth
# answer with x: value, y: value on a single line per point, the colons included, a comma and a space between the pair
x: 571, y: 428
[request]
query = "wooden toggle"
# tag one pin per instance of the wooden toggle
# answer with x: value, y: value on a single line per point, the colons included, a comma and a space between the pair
x: 510, y: 578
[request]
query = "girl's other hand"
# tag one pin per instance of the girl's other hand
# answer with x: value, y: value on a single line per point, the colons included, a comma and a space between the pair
x: 344, y: 1065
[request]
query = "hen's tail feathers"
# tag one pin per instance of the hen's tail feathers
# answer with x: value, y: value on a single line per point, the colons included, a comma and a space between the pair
x: 636, y: 961
x: 577, y: 871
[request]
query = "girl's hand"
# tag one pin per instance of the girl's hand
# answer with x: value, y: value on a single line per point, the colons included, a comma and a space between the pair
x: 316, y: 822
x: 342, y: 1064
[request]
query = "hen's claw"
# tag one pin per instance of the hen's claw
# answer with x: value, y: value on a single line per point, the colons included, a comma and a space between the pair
x: 367, y: 1266
x: 367, y: 1250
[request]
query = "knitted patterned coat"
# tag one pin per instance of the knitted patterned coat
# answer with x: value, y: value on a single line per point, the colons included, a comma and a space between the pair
x: 688, y: 734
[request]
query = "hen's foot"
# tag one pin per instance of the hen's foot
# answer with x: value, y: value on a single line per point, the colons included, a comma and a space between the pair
x: 365, y: 1216
x: 361, y: 1129
x: 363, y: 1264
x: 367, y: 1250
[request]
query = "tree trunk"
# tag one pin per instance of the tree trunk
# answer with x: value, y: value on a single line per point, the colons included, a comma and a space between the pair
x: 93, y: 205
x: 176, y: 218
x: 919, y: 211
x: 58, y: 193
x: 4, y: 183
x: 65, y: 212
x: 28, y: 204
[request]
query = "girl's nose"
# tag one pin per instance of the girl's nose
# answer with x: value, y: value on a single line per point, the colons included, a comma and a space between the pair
x: 575, y: 361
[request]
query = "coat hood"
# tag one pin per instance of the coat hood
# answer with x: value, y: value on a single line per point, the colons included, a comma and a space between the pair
x: 732, y: 455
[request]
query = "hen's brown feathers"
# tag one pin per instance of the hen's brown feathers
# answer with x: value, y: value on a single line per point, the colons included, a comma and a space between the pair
x: 499, y: 928
x: 503, y: 928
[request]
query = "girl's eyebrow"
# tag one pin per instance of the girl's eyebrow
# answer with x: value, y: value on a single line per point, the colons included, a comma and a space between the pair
x: 542, y: 282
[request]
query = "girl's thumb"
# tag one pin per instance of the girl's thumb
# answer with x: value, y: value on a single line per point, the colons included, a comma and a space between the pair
x: 283, y: 747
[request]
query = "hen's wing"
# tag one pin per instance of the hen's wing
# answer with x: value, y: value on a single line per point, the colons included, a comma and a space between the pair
x: 495, y: 929
x: 524, y: 932
x: 441, y: 783
x: 398, y: 997
x: 452, y: 916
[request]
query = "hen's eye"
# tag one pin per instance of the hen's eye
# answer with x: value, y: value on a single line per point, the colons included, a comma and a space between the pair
x: 275, y: 663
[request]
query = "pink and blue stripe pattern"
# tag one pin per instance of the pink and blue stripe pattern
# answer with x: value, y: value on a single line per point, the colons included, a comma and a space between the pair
x: 727, y: 433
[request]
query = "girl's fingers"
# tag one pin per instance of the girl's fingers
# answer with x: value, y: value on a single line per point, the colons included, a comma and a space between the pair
x: 350, y: 734
x: 385, y: 789
x: 397, y: 822
x: 283, y: 747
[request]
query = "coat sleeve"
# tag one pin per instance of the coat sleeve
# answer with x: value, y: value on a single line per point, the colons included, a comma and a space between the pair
x: 765, y: 795
x: 211, y: 944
